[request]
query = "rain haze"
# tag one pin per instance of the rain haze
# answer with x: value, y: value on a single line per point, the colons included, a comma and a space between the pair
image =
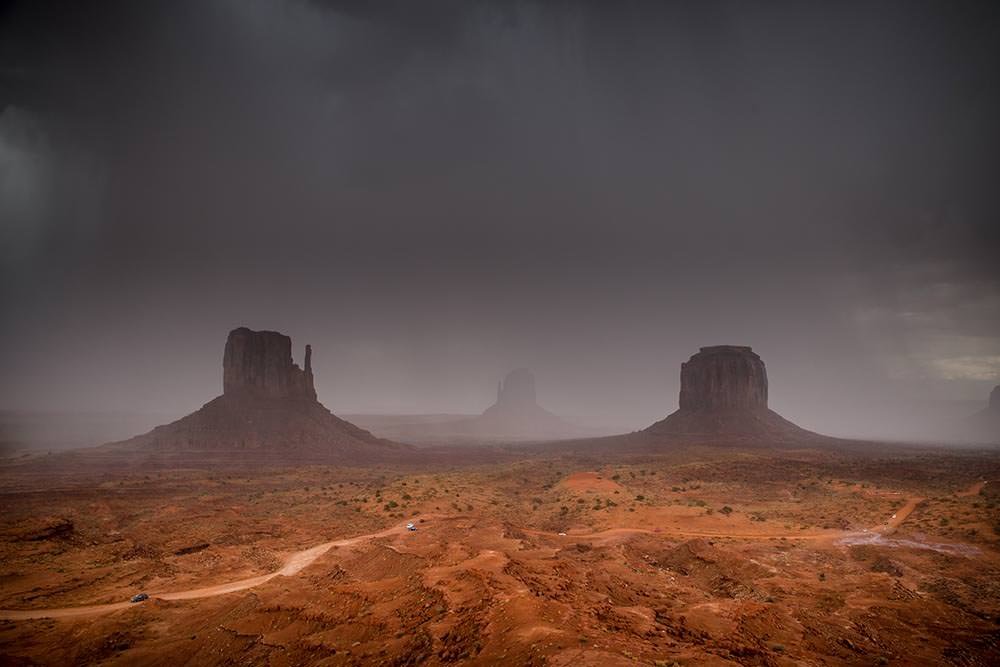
x: 433, y: 194
x: 499, y: 332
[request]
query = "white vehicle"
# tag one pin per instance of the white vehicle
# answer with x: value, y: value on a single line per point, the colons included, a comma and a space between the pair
x: 411, y: 526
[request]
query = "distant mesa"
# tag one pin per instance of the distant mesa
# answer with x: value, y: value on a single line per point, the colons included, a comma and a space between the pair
x: 517, y: 412
x: 724, y: 393
x: 984, y: 426
x: 268, y: 409
x: 517, y: 390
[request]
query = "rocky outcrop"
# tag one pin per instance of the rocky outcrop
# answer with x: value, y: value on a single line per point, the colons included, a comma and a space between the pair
x: 259, y: 363
x: 724, y: 396
x: 268, y: 411
x: 724, y: 377
x: 994, y: 404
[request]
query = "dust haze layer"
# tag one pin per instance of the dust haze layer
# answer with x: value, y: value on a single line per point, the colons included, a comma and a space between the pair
x: 436, y: 193
x: 516, y: 416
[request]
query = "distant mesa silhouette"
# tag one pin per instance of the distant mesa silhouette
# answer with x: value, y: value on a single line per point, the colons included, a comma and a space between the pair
x: 724, y: 394
x: 517, y: 412
x: 268, y: 409
x: 984, y: 426
x: 515, y: 417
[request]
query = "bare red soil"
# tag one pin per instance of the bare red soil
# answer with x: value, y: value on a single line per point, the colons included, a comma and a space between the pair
x: 694, y: 556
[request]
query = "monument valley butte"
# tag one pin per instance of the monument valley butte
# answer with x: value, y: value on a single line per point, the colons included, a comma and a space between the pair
x: 262, y: 528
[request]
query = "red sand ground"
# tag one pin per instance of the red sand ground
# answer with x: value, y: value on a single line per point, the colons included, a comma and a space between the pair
x: 695, y: 557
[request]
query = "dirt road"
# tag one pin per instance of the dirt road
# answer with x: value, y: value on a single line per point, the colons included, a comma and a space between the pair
x: 897, y: 519
x: 297, y: 561
x: 294, y: 564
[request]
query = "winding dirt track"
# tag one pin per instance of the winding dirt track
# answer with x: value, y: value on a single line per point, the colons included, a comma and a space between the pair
x: 297, y: 561
x: 294, y: 564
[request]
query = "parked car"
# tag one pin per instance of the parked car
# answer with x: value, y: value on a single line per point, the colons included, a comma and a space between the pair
x: 411, y: 526
x: 140, y: 597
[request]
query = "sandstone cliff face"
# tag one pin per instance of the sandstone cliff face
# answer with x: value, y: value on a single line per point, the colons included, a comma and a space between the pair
x: 724, y: 377
x: 259, y: 363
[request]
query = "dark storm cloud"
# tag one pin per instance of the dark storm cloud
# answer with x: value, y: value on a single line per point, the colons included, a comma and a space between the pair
x: 433, y: 193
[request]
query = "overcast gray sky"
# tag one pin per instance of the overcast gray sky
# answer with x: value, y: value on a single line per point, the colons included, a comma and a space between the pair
x: 434, y: 193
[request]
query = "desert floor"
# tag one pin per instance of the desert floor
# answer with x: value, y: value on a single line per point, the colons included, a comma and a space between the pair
x: 701, y: 556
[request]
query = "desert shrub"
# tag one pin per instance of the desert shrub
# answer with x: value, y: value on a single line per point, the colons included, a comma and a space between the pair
x: 726, y: 509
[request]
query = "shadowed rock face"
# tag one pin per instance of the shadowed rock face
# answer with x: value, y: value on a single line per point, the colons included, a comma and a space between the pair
x: 994, y: 405
x: 724, y: 377
x: 259, y: 363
